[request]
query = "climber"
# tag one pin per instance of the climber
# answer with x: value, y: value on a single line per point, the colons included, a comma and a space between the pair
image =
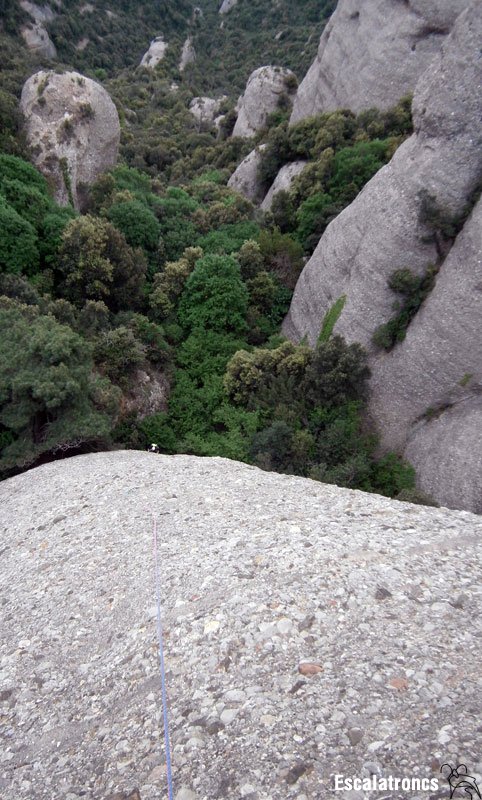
x: 153, y: 448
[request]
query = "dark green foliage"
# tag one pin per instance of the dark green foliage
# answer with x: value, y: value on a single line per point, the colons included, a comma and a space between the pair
x: 118, y: 353
x: 96, y: 263
x: 215, y: 297
x: 413, y: 290
x: 18, y: 242
x: 282, y: 254
x: 393, y: 476
x: 137, y: 222
x: 48, y: 398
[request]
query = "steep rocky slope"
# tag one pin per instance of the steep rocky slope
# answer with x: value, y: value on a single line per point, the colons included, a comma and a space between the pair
x: 309, y: 631
x: 385, y: 229
x: 372, y: 52
x: 73, y: 129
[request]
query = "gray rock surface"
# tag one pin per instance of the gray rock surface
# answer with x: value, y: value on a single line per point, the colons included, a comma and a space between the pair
x: 261, y: 97
x: 245, y: 178
x: 381, y: 231
x: 155, y: 54
x: 283, y: 181
x: 38, y: 13
x: 188, y: 54
x: 446, y: 452
x: 148, y: 395
x: 35, y: 34
x: 205, y: 109
x: 37, y: 39
x: 309, y: 631
x: 372, y: 52
x: 227, y: 5
x: 417, y: 388
x: 72, y: 127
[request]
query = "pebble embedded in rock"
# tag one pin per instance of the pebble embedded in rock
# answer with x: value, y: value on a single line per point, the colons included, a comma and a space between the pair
x: 355, y: 735
x: 309, y: 668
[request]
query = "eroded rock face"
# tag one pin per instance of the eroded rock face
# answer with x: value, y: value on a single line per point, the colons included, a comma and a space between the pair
x: 245, y: 179
x: 73, y: 129
x: 428, y: 391
x: 278, y: 597
x: 148, y: 394
x: 38, y: 13
x: 372, y: 52
x: 205, y: 109
x: 188, y: 54
x: 37, y: 39
x: 447, y: 455
x: 227, y: 5
x: 283, y: 181
x: 382, y: 231
x: 35, y: 34
x: 155, y: 54
x: 261, y: 97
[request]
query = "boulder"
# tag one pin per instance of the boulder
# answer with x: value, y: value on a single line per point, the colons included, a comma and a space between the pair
x: 245, y: 179
x: 384, y: 230
x: 188, y: 54
x: 312, y: 626
x: 155, y: 54
x: 283, y: 181
x: 73, y: 130
x: 261, y: 97
x: 205, y: 109
x: 38, y: 41
x: 372, y: 52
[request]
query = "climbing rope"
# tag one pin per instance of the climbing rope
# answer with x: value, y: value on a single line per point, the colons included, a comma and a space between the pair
x: 161, y: 661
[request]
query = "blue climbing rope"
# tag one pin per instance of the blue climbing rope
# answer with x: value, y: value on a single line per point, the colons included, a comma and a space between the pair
x: 161, y: 661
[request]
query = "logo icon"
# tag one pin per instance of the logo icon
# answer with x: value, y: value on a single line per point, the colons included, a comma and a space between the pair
x: 458, y: 778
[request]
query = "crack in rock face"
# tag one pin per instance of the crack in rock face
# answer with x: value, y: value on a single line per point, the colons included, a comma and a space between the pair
x: 309, y: 631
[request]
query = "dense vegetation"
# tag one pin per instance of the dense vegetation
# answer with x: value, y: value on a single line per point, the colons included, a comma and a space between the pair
x: 170, y: 277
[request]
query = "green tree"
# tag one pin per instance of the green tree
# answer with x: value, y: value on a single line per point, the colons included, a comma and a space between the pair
x: 137, y: 222
x: 96, y: 263
x: 215, y: 297
x: 47, y: 390
x: 18, y: 242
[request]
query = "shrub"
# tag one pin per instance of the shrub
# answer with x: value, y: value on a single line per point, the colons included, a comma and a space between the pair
x: 215, y: 297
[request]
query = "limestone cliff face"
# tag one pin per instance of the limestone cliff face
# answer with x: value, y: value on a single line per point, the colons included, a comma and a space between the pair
x: 73, y: 130
x: 261, y: 97
x: 382, y: 231
x: 372, y: 52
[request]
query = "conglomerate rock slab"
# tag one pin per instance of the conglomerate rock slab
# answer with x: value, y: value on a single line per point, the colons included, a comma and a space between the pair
x: 437, y: 369
x: 372, y: 52
x: 309, y: 631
